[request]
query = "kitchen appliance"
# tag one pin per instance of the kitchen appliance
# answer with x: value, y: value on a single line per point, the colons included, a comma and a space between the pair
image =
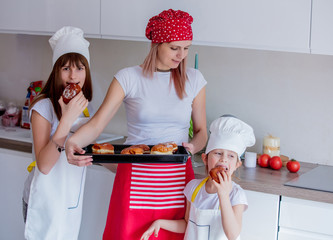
x: 319, y: 178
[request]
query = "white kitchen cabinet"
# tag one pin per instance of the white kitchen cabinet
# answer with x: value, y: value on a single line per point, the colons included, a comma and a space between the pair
x: 322, y: 31
x: 13, y: 173
x: 304, y: 219
x: 258, y: 24
x: 260, y: 220
x: 46, y: 17
x: 97, y: 192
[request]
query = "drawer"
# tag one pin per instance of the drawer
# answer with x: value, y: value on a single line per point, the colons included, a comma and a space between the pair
x: 305, y: 215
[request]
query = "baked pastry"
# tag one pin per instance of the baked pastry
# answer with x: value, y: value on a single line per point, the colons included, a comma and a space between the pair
x: 136, y: 149
x: 174, y: 146
x: 213, y: 172
x: 162, y: 148
x: 103, y: 148
x: 132, y: 150
x: 70, y: 91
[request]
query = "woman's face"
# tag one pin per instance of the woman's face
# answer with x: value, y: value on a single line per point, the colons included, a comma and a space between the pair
x: 70, y: 73
x: 169, y: 55
x: 221, y: 157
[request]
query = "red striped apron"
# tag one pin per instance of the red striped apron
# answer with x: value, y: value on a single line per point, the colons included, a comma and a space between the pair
x: 143, y: 193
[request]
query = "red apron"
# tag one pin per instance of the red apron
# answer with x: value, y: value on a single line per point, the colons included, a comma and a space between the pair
x: 143, y: 193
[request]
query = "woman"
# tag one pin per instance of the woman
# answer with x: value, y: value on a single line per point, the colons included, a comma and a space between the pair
x: 53, y: 193
x: 160, y: 97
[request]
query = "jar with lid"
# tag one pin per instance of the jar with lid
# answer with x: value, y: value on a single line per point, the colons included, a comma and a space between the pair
x: 271, y: 146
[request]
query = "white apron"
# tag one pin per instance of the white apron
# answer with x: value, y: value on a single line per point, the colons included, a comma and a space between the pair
x: 55, y: 202
x: 204, y: 224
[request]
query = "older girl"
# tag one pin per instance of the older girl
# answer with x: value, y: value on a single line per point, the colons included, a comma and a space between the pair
x: 54, y: 189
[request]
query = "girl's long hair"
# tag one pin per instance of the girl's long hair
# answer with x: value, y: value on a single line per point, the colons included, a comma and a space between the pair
x: 53, y: 87
x: 178, y: 75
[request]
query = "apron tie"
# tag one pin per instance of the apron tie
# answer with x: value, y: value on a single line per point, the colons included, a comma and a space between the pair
x: 31, y: 166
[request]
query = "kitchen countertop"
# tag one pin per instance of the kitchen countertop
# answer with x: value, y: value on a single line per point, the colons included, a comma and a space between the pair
x: 258, y: 179
x: 271, y: 181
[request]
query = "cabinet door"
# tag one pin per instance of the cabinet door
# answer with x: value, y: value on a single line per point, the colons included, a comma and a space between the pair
x: 291, y: 234
x: 322, y: 31
x: 47, y: 16
x: 306, y: 217
x: 97, y: 193
x: 259, y: 24
x: 260, y: 220
x: 13, y: 173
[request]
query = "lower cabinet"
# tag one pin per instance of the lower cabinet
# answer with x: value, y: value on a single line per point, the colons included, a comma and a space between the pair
x: 305, y: 220
x: 260, y: 220
x: 97, y: 192
x: 13, y: 172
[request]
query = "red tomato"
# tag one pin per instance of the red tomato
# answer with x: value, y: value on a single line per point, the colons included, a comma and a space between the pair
x: 263, y: 160
x: 275, y: 163
x: 293, y: 165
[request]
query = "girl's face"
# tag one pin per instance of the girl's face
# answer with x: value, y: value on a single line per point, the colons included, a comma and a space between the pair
x: 221, y: 157
x: 169, y: 55
x: 70, y: 73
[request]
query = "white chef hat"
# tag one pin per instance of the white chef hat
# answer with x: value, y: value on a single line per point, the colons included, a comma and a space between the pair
x: 69, y: 39
x: 230, y: 133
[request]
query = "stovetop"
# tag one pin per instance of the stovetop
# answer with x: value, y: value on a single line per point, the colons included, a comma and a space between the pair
x: 319, y: 178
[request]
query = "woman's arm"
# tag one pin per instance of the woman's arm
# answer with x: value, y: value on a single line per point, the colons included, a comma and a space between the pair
x: 45, y: 148
x: 91, y: 130
x: 199, y: 139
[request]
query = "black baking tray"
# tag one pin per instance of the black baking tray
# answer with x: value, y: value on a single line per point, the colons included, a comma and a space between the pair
x: 181, y: 156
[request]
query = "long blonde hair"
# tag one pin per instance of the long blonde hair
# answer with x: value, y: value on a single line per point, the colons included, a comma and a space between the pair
x: 178, y: 75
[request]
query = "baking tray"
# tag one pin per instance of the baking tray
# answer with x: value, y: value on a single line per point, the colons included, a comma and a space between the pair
x: 181, y: 156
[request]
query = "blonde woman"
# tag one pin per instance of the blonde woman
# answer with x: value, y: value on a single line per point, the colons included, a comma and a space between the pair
x: 160, y: 97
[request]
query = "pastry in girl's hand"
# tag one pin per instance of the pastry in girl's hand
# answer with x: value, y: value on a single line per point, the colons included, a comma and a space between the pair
x: 162, y: 148
x: 103, y: 148
x: 213, y: 172
x: 136, y: 149
x: 70, y: 91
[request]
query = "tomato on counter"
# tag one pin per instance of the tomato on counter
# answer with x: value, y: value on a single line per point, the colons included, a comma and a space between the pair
x: 275, y: 163
x: 293, y: 166
x: 263, y: 160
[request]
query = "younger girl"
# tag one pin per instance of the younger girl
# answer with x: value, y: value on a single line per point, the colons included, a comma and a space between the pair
x: 214, y: 210
x: 53, y: 193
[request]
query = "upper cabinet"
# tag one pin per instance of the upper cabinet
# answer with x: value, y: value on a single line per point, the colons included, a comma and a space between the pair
x: 47, y: 16
x: 281, y: 25
x: 322, y: 30
x: 259, y: 24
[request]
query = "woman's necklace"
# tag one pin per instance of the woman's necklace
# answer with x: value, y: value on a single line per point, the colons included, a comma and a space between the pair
x: 160, y: 70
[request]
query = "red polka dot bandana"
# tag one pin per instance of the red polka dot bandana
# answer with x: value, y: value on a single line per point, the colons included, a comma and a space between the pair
x: 170, y: 26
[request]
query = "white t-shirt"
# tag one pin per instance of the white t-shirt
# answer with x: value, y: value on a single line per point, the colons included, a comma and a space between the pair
x: 206, y: 200
x: 154, y: 111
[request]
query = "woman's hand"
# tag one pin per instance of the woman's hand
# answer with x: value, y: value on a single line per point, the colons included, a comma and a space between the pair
x: 77, y: 160
x: 189, y: 147
x: 154, y: 228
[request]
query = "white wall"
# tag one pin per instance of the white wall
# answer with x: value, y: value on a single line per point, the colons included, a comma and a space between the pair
x: 284, y: 94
